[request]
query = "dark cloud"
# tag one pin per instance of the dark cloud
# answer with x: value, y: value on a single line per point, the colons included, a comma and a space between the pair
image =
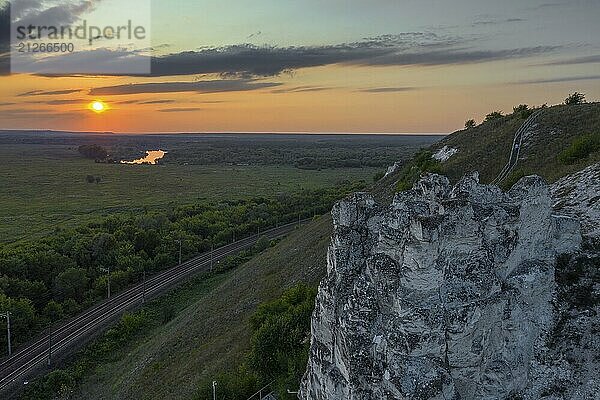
x: 215, y: 86
x: 561, y: 79
x: 139, y: 101
x: 498, y: 21
x: 578, y: 60
x: 302, y: 89
x: 183, y: 109
x: 59, y: 102
x: 455, y: 56
x: 128, y: 102
x: 96, y: 62
x: 4, y: 27
x: 414, y: 49
x: 250, y: 61
x: 388, y: 89
x: 21, y: 113
x: 549, y: 5
x: 4, y: 104
x: 37, y: 12
x: 50, y: 93
x: 4, y: 39
x: 166, y: 101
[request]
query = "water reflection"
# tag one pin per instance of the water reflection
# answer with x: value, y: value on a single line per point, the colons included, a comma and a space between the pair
x: 152, y: 157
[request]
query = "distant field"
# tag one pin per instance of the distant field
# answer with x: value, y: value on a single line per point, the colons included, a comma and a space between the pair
x: 45, y: 186
x: 44, y: 178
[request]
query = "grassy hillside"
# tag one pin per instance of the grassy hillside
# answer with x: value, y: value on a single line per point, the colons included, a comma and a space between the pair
x: 211, y: 335
x: 486, y: 148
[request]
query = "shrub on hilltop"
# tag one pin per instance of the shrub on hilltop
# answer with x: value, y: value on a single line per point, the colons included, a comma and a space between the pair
x: 470, y: 124
x: 575, y: 98
x: 495, y: 115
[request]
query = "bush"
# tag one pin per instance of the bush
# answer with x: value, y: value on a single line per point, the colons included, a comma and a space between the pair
x: 240, y: 384
x: 71, y: 284
x: 580, y: 148
x: 469, y: 124
x: 262, y: 244
x: 493, y: 116
x: 575, y: 98
x: 93, y: 151
x: 523, y: 111
x: 22, y: 321
x: 378, y: 176
x: 280, y: 329
x: 513, y: 178
x: 421, y: 164
x: 279, y: 349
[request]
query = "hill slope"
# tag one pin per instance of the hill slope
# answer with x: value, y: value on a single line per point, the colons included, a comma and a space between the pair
x: 211, y: 335
x: 486, y: 148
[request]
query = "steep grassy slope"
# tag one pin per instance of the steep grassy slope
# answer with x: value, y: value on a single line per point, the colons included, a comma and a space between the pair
x: 212, y: 335
x: 486, y: 148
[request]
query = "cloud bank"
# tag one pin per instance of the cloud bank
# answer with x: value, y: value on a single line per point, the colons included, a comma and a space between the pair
x: 214, y: 86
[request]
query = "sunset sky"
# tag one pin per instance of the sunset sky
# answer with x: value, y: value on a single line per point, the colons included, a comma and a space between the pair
x: 397, y: 66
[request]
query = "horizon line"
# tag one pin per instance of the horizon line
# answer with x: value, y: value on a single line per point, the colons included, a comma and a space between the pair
x: 231, y: 132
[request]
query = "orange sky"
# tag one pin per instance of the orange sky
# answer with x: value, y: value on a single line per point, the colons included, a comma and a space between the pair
x: 350, y: 66
x: 433, y: 106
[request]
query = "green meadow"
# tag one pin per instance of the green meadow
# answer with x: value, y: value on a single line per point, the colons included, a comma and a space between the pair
x: 45, y: 186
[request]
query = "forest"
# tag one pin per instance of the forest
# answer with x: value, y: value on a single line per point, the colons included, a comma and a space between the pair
x: 43, y: 281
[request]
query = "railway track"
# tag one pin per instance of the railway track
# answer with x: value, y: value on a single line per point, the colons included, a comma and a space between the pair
x: 64, y: 338
x: 516, y: 148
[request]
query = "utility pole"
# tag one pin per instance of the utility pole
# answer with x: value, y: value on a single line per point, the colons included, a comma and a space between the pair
x: 212, y: 248
x: 214, y: 386
x: 179, y: 241
x: 7, y: 316
x: 107, y: 270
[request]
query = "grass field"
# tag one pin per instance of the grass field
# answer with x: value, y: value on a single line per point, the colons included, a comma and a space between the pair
x: 45, y: 186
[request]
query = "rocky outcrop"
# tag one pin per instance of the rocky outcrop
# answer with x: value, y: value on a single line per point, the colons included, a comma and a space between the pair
x: 444, y: 154
x: 444, y: 294
x: 393, y: 168
x: 567, y: 364
x: 578, y: 195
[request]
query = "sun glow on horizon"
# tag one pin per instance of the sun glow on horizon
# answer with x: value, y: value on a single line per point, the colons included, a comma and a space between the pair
x: 98, y: 106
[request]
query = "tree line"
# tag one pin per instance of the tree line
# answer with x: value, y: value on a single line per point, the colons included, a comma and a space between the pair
x: 524, y: 111
x: 43, y: 281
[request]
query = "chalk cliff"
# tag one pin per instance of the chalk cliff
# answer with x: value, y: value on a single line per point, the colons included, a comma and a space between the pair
x: 446, y: 293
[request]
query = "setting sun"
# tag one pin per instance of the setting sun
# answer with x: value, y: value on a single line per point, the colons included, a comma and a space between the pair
x: 98, y: 106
